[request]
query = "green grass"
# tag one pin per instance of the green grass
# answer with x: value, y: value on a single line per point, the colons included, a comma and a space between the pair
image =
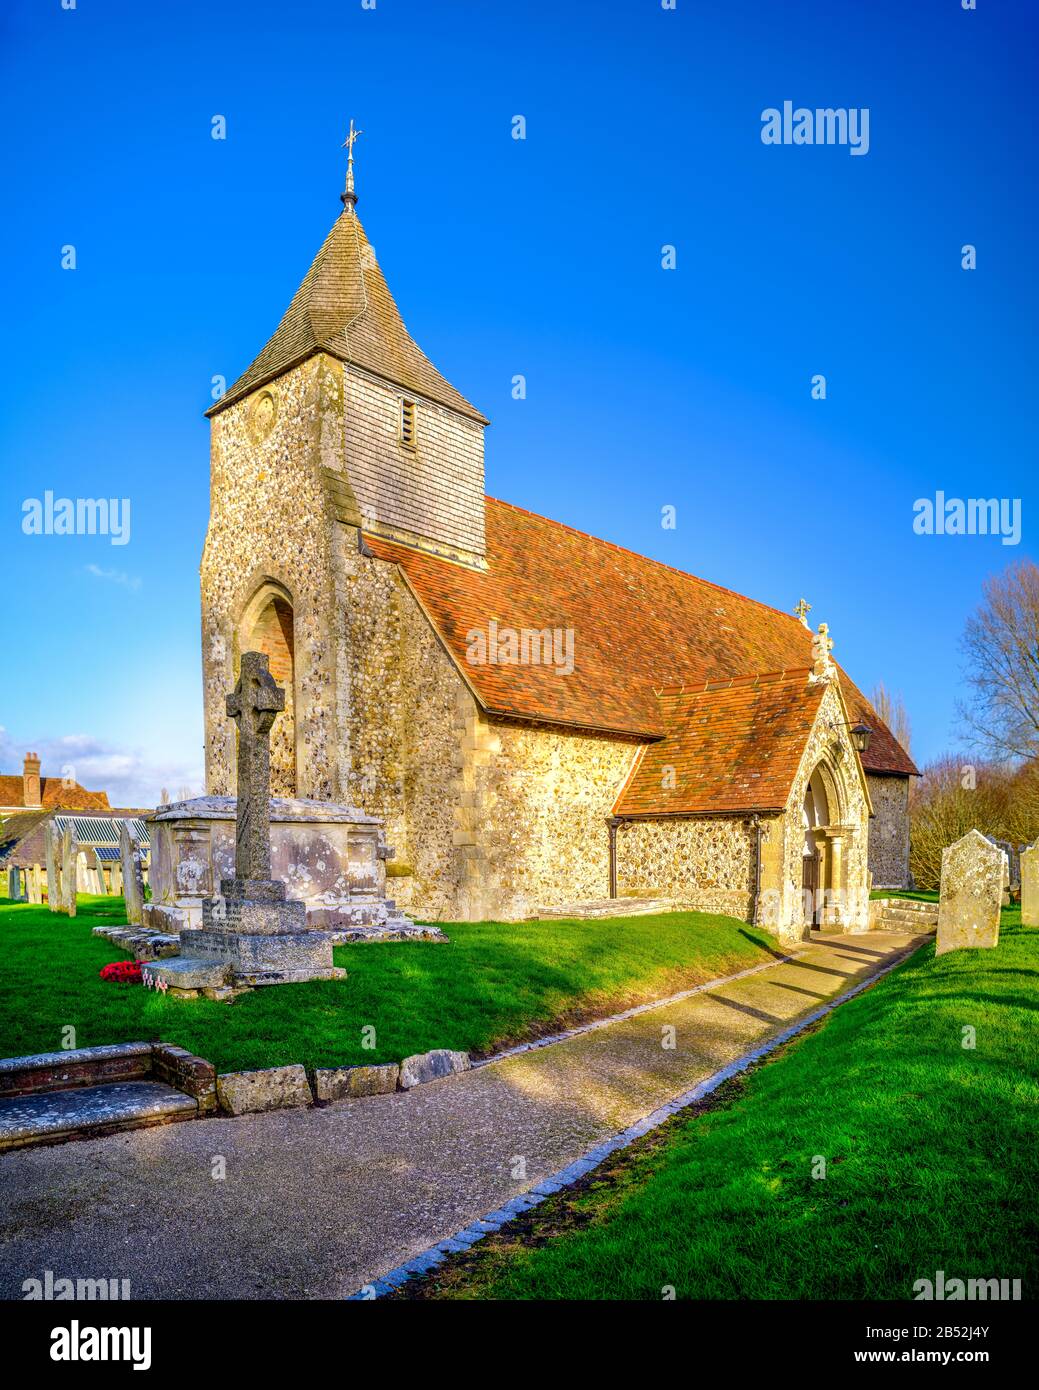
x: 931, y: 1149
x: 490, y: 984
x: 922, y: 895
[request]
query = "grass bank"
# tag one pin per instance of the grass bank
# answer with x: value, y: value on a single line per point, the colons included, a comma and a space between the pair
x: 491, y: 984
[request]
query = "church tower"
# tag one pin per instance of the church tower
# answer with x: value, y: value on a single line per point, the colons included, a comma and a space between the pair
x: 340, y: 428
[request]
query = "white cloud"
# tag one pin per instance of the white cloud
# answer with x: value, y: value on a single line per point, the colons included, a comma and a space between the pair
x: 128, y: 776
x: 128, y: 581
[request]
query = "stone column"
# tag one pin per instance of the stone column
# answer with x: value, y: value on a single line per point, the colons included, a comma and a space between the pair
x: 832, y: 876
x: 1030, y: 886
x: 69, y: 856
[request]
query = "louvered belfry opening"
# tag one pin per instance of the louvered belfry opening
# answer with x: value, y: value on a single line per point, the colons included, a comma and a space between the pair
x: 407, y: 424
x: 272, y: 632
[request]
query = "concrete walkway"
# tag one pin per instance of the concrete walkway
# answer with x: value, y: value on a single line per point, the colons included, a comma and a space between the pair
x: 315, y: 1203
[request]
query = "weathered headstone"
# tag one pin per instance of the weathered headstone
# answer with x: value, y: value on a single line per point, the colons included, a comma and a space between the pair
x: 35, y: 885
x: 974, y: 874
x: 52, y: 848
x: 69, y: 855
x: 133, y: 882
x: 15, y: 890
x: 1030, y: 886
x: 252, y: 933
x: 91, y: 875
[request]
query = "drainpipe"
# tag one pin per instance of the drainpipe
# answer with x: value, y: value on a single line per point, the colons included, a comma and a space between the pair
x: 759, y: 830
x: 613, y: 824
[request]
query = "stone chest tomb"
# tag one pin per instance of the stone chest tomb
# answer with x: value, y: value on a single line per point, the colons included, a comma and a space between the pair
x: 331, y: 857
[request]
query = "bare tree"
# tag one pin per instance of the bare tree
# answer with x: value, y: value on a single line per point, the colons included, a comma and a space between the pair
x: 955, y: 795
x: 891, y: 708
x: 1001, y: 644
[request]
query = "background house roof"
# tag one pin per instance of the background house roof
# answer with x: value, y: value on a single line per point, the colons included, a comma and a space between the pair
x: 344, y: 307
x: 53, y: 793
x: 22, y: 840
x: 638, y: 626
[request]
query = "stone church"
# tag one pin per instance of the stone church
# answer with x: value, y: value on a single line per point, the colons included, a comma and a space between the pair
x: 541, y: 717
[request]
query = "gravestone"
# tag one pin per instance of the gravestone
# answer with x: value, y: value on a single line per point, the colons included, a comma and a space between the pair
x: 35, y: 885
x: 974, y: 875
x: 133, y: 878
x: 1030, y: 886
x: 252, y: 933
x: 15, y: 891
x: 51, y: 845
x: 69, y: 855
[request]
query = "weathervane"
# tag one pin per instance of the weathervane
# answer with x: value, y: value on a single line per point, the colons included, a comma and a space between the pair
x: 349, y: 197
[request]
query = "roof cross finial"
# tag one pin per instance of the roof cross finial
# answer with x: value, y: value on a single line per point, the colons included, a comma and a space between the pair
x: 348, y: 196
x: 802, y: 608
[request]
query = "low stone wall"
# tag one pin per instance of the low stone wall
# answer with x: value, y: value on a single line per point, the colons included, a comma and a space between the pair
x: 47, y: 1072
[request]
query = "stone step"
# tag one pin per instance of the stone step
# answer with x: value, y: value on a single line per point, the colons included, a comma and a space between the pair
x: 892, y: 924
x: 87, y: 1112
x: 907, y: 904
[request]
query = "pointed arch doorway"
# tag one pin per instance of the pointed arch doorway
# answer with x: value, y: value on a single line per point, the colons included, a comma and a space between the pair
x: 268, y: 625
x: 815, y: 817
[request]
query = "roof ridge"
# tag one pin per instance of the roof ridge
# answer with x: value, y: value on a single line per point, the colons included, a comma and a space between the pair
x: 636, y: 554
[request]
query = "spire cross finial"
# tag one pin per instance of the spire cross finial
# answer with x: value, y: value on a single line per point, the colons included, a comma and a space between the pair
x: 802, y: 608
x: 349, y: 197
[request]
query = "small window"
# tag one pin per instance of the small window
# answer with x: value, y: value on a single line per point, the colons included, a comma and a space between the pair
x: 407, y: 424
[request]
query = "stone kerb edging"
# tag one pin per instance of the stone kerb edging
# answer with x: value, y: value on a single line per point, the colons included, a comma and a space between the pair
x: 633, y: 1012
x: 462, y: 1240
x: 291, y: 1087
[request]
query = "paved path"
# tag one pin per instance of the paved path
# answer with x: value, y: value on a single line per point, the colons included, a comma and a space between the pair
x: 317, y: 1202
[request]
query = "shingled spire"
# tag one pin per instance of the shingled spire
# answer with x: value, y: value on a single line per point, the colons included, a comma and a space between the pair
x: 344, y: 307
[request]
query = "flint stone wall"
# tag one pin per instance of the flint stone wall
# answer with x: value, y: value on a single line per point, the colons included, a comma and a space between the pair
x: 889, y: 831
x: 705, y: 863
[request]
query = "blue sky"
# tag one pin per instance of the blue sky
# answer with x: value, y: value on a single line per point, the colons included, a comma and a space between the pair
x: 646, y: 388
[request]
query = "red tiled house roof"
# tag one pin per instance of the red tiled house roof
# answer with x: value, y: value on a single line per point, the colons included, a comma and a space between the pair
x: 52, y: 795
x: 638, y: 625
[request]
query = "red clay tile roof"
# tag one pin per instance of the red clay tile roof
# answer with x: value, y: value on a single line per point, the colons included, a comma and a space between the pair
x: 344, y: 307
x: 638, y: 626
x: 734, y: 746
x: 52, y: 794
